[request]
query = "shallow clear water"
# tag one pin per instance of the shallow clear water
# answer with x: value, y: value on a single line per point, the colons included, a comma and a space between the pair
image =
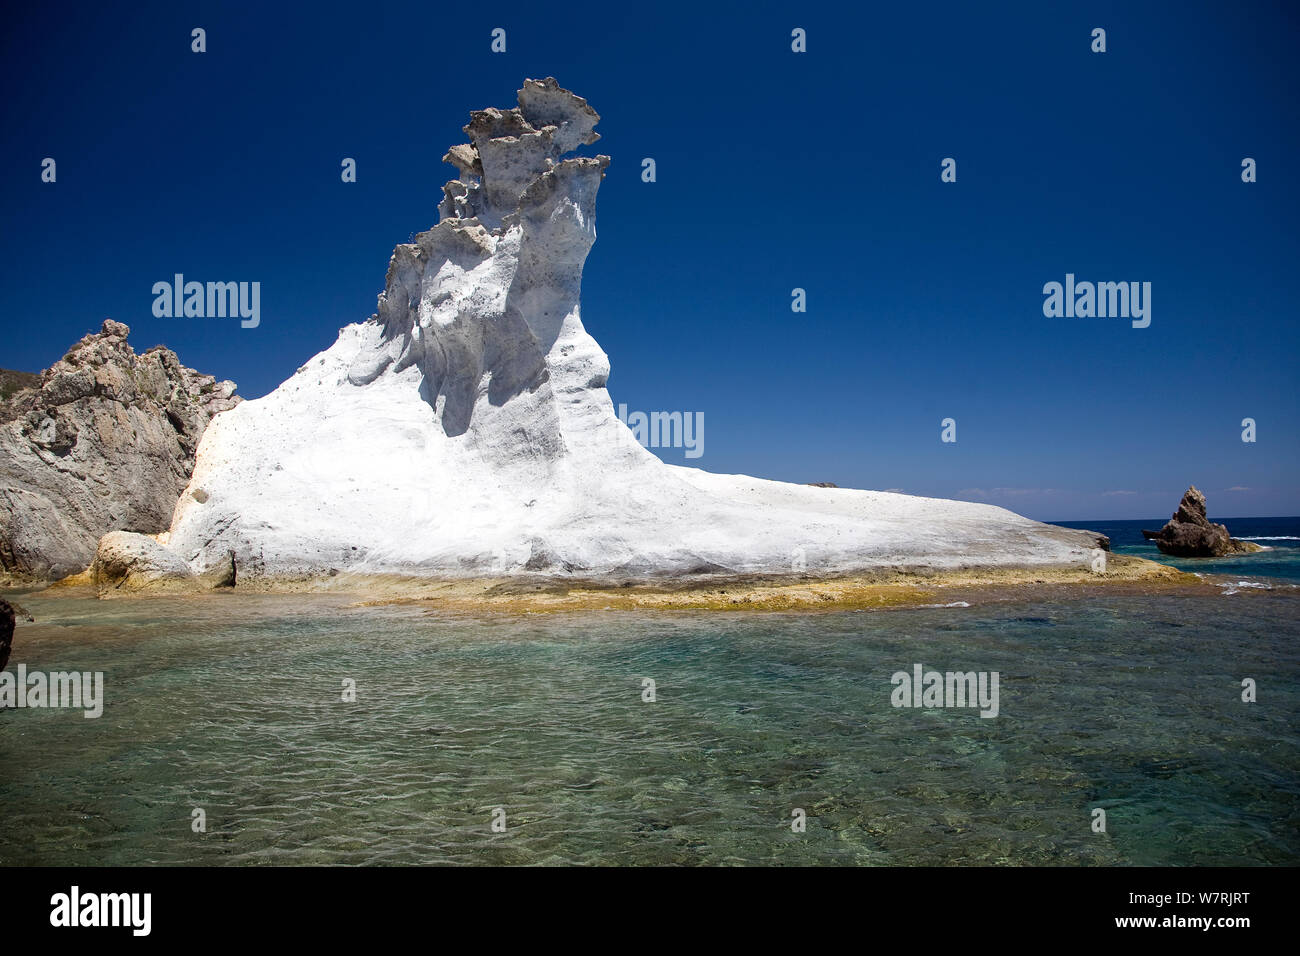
x: 232, y: 703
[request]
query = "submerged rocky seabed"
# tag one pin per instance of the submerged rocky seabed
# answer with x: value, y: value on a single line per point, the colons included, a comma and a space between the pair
x: 233, y: 704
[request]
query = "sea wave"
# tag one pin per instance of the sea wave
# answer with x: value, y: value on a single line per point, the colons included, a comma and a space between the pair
x: 1272, y: 537
x: 1231, y: 588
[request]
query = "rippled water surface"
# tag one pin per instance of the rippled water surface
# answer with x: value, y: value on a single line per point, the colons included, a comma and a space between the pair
x: 232, y: 704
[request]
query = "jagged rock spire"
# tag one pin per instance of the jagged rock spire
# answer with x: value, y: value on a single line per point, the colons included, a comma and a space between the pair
x: 530, y: 213
x: 509, y: 149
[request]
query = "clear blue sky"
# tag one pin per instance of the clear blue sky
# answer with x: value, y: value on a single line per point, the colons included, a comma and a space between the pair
x: 775, y: 170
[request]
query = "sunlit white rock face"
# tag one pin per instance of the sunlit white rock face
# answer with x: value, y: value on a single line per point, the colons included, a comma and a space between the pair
x: 465, y: 429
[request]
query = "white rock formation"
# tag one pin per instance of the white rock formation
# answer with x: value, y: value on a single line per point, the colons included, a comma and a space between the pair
x: 465, y: 429
x: 129, y: 561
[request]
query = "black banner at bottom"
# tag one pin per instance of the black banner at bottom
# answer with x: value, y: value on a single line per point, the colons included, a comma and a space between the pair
x: 335, y: 905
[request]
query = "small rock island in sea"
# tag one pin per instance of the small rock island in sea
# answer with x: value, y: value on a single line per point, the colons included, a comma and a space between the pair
x: 1190, y: 534
x: 465, y: 431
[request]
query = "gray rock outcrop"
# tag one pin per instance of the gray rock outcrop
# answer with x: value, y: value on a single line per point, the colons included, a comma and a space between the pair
x: 105, y: 443
x: 1190, y: 534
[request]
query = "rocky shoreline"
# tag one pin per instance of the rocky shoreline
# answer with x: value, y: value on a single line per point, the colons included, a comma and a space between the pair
x: 528, y: 593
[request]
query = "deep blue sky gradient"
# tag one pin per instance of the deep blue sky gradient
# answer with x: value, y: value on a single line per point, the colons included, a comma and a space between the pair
x: 775, y: 170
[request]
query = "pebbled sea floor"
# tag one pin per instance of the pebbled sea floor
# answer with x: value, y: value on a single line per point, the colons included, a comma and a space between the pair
x: 233, y: 704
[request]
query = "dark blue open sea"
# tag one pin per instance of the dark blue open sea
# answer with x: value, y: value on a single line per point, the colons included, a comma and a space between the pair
x: 231, y: 704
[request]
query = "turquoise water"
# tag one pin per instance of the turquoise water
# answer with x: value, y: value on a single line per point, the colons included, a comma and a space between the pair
x: 232, y: 703
x: 1280, y: 536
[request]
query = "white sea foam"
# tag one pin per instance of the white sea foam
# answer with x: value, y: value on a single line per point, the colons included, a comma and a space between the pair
x: 1236, y: 588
